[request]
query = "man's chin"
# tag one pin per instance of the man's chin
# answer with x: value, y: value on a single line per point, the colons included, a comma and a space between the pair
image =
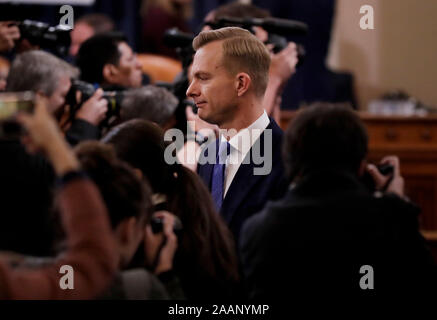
x: 205, y: 117
x: 202, y: 114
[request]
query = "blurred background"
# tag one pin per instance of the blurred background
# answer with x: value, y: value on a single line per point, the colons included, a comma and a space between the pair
x: 359, y: 65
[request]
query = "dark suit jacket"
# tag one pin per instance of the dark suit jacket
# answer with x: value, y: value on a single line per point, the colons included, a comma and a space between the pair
x: 248, y: 193
x: 316, y: 239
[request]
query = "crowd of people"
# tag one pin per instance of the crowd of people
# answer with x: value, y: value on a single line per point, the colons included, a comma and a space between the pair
x: 260, y: 215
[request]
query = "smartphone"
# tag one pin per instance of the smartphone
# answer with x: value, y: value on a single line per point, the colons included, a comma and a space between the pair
x: 12, y: 103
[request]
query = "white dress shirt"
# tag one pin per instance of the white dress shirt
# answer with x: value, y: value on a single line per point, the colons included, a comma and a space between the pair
x: 241, y: 144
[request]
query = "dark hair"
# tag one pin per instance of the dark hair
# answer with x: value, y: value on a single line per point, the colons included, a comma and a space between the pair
x: 125, y: 195
x: 96, y: 52
x: 206, y: 251
x: 324, y: 136
x: 240, y: 10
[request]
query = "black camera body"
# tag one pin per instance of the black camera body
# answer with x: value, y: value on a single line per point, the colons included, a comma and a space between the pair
x: 384, y: 169
x: 114, y: 98
x: 56, y: 38
x: 157, y: 225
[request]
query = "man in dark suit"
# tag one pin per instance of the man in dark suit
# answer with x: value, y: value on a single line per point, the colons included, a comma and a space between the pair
x: 331, y: 234
x: 242, y: 168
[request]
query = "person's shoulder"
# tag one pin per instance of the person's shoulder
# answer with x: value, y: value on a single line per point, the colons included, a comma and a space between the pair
x: 276, y: 129
x: 395, y: 207
x: 267, y: 218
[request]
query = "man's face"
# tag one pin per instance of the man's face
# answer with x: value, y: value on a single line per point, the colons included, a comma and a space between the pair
x: 79, y: 35
x: 57, y: 99
x: 128, y: 71
x: 212, y: 87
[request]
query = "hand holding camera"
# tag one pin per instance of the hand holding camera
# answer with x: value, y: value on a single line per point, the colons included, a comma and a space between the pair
x: 390, y: 182
x: 94, y: 109
x: 94, y: 106
x: 160, y: 242
x: 283, y: 64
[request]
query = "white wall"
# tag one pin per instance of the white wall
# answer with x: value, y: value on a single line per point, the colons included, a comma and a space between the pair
x: 400, y: 53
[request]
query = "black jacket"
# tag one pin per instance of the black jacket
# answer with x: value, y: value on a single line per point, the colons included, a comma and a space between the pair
x: 316, y: 239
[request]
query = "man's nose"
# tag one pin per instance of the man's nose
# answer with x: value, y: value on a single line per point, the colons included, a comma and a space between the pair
x: 192, y: 90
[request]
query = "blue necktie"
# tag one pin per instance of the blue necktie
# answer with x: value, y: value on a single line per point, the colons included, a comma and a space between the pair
x: 218, y: 174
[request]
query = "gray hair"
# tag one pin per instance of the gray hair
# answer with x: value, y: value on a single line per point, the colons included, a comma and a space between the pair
x: 38, y: 70
x: 149, y: 103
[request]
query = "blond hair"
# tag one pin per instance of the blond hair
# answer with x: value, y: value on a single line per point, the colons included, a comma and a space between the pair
x: 242, y: 51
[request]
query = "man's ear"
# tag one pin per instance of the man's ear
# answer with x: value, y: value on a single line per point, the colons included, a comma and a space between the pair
x: 242, y: 83
x: 110, y: 73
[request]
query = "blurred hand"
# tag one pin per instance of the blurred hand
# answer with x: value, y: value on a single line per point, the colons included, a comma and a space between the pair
x: 94, y: 109
x: 42, y: 129
x: 393, y: 183
x: 44, y: 135
x: 8, y: 35
x: 283, y: 64
x: 161, y: 247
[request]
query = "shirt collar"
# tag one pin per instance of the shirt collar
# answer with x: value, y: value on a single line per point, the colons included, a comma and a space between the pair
x: 245, y: 138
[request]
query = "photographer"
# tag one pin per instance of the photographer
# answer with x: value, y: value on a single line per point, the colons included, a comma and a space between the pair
x: 48, y: 75
x: 90, y: 240
x: 330, y: 224
x: 107, y: 60
x: 130, y: 208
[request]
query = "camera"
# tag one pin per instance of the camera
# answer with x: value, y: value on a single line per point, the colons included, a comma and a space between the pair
x: 114, y: 98
x: 56, y: 38
x: 10, y: 104
x: 384, y: 169
x: 157, y: 225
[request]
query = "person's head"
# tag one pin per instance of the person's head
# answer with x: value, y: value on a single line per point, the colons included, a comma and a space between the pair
x: 127, y: 198
x: 206, y: 242
x: 238, y: 10
x: 150, y: 103
x: 324, y: 136
x: 42, y: 73
x: 107, y: 59
x: 87, y: 26
x: 229, y: 72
